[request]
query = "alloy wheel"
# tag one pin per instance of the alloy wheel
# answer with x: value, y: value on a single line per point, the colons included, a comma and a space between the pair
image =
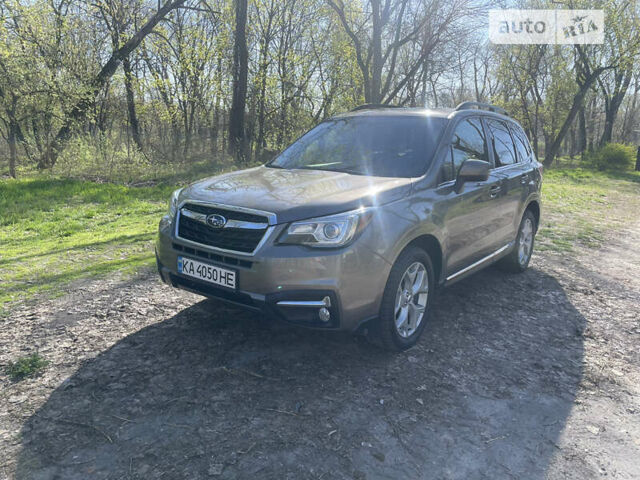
x: 525, y: 241
x: 411, y: 299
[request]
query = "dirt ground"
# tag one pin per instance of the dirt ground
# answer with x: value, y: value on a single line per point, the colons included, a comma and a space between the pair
x: 517, y: 376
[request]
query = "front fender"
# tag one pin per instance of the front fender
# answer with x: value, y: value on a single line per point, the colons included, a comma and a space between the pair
x: 399, y: 224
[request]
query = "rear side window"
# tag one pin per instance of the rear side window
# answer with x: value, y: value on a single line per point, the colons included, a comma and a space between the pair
x: 501, y: 143
x: 467, y: 142
x: 523, y: 148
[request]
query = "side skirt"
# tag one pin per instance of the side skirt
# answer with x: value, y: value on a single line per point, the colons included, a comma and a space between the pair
x: 480, y: 264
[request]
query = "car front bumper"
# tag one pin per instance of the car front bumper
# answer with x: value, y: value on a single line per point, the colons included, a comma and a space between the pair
x: 288, y: 282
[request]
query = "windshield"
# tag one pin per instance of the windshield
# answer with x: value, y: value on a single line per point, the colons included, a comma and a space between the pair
x: 382, y: 146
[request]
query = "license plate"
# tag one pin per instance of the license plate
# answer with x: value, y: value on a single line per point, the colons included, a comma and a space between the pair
x: 207, y: 273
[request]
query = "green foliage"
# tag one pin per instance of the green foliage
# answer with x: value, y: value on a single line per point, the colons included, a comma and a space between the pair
x: 614, y: 156
x: 24, y: 367
x: 47, y: 56
x: 538, y: 85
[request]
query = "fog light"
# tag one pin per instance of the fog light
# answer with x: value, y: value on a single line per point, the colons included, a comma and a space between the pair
x: 324, y: 314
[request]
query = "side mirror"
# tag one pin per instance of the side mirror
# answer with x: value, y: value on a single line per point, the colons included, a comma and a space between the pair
x: 472, y: 170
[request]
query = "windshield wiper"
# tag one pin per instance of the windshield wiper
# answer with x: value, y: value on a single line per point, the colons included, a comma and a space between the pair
x: 349, y: 171
x: 337, y: 170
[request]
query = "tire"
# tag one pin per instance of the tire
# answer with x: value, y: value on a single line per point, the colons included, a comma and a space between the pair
x: 386, y: 332
x: 517, y: 261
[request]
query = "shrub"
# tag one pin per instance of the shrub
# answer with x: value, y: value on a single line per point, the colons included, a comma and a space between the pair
x: 101, y: 158
x: 615, y: 156
x: 25, y: 367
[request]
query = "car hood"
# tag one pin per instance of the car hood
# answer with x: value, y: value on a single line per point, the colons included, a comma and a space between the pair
x: 297, y: 194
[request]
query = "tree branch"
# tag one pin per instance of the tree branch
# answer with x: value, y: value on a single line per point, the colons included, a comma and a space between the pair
x: 79, y: 111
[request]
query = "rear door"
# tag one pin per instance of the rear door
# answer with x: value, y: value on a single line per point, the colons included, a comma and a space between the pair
x: 513, y: 174
x: 469, y: 218
x: 529, y: 175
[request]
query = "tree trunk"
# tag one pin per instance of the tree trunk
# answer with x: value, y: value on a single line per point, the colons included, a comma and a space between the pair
x: 215, y: 122
x: 376, y: 50
x: 630, y: 114
x: 610, y: 117
x: 283, y: 116
x: 187, y: 133
x: 552, y: 151
x: 582, y: 132
x: 218, y: 117
x: 607, y: 132
x: 536, y: 130
x: 240, y: 73
x: 638, y: 160
x: 260, y: 144
x: 131, y: 106
x: 572, y: 142
x: 612, y: 104
x: 13, y: 148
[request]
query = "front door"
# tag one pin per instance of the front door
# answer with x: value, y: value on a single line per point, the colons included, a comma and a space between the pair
x: 473, y: 218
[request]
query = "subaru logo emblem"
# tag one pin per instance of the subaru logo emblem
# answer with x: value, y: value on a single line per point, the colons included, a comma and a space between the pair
x: 216, y: 221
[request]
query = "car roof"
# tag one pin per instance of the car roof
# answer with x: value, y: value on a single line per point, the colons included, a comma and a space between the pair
x: 446, y: 113
x: 398, y: 112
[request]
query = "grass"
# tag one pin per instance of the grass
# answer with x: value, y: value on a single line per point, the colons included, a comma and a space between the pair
x: 57, y: 232
x: 54, y: 232
x: 26, y: 367
x: 581, y: 205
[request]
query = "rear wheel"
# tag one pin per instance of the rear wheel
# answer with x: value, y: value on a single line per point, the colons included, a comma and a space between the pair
x: 518, y: 260
x: 406, y: 300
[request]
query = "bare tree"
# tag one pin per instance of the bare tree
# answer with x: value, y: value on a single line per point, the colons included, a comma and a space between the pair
x: 391, y: 29
x: 586, y: 76
x: 79, y: 111
x: 614, y: 87
x: 119, y: 16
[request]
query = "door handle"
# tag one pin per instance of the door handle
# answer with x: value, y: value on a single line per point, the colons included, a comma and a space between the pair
x: 524, y: 179
x: 494, y: 191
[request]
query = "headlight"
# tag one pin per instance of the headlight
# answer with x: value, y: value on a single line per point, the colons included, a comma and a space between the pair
x: 173, y: 203
x: 331, y: 231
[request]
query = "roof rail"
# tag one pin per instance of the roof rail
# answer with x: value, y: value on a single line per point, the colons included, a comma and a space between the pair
x: 368, y: 106
x: 481, y: 106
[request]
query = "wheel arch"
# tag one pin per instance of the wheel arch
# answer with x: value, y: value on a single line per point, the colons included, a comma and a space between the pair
x: 534, y: 207
x: 430, y: 244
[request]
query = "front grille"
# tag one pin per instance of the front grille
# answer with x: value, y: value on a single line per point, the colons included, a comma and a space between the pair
x: 229, y: 214
x: 234, y: 239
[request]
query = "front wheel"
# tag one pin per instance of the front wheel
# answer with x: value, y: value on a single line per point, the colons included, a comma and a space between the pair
x: 406, y: 300
x: 518, y: 260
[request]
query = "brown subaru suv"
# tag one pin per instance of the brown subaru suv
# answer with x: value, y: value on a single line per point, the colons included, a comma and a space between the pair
x: 359, y: 220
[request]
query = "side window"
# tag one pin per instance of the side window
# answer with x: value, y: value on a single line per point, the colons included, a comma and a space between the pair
x: 501, y: 143
x: 522, y: 144
x: 467, y: 142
